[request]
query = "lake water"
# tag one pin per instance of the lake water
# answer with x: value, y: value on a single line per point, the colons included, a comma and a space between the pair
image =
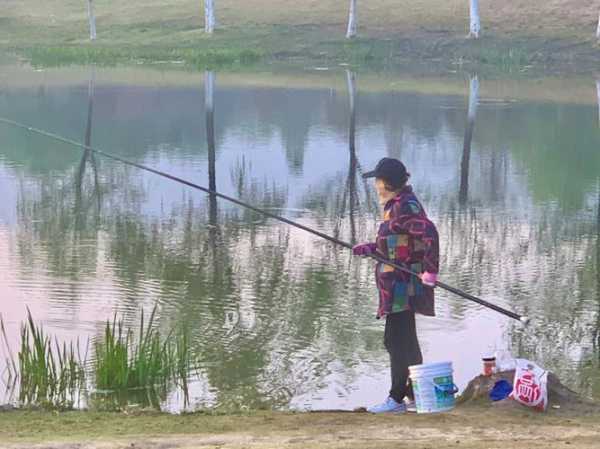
x: 281, y: 318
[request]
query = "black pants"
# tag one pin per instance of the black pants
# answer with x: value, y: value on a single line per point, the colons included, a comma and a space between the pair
x: 400, y: 340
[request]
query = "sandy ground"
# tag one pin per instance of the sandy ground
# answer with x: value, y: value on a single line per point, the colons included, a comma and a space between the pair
x: 466, y: 427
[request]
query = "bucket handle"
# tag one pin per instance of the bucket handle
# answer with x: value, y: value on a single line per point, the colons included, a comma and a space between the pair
x: 446, y: 389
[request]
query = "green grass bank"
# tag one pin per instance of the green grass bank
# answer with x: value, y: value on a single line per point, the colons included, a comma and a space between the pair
x: 556, y: 35
x: 472, y: 427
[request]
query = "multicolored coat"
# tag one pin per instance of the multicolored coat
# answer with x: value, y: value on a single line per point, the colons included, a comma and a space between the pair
x: 407, y: 238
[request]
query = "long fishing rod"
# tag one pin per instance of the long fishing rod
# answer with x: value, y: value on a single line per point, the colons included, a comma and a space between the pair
x: 523, y: 319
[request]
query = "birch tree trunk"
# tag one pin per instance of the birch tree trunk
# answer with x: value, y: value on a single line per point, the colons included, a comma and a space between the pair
x: 209, y: 16
x: 475, y: 24
x: 351, y: 32
x: 598, y: 30
x: 92, y: 19
x: 471, y: 116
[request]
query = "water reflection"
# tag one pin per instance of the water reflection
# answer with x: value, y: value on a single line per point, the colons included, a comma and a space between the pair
x: 349, y: 198
x: 280, y: 318
x: 81, y: 207
x: 466, y: 156
x: 598, y: 94
x: 209, y: 101
x: 596, y: 328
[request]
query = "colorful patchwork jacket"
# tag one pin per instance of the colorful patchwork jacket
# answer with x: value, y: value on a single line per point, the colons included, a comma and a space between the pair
x: 407, y: 238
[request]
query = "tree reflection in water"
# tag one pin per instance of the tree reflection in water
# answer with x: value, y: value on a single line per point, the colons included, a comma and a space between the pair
x: 277, y: 314
x: 466, y: 157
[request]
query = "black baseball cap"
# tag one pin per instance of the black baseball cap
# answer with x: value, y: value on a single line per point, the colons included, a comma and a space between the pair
x: 389, y: 169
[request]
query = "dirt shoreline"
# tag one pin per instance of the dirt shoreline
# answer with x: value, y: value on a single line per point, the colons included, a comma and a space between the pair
x: 468, y: 426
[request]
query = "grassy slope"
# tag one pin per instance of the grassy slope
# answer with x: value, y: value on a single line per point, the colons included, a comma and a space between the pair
x: 145, y: 21
x: 389, y: 29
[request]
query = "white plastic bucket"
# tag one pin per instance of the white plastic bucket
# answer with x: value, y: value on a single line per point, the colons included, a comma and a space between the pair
x: 433, y: 386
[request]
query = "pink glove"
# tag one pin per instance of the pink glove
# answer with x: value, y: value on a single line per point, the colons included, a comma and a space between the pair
x: 429, y: 279
x: 364, y: 249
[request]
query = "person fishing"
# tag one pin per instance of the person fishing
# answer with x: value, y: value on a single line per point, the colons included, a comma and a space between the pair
x: 407, y: 238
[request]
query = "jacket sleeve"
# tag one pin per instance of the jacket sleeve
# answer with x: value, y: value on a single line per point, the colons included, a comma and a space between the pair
x: 431, y: 259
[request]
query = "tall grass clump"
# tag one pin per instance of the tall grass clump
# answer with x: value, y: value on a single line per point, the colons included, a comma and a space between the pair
x: 139, y: 369
x: 505, y: 59
x: 111, y: 56
x: 49, y: 375
x: 131, y: 366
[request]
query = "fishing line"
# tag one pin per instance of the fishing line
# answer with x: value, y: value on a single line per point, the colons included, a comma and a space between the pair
x: 523, y: 319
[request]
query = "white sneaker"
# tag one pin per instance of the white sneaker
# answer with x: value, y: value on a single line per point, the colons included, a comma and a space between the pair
x: 411, y: 406
x: 389, y: 406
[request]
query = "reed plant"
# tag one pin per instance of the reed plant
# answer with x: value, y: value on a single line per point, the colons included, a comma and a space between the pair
x: 141, y: 369
x: 49, y: 375
x: 128, y: 367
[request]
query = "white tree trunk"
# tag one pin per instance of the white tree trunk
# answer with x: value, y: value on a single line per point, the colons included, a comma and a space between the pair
x: 92, y: 19
x: 598, y: 29
x: 351, y: 32
x: 209, y: 16
x: 475, y: 23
